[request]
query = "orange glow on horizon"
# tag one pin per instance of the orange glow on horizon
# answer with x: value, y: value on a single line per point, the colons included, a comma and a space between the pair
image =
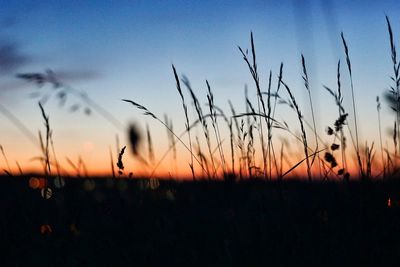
x: 171, y: 169
x: 92, y: 158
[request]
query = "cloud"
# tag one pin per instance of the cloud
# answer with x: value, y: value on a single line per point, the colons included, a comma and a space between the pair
x: 11, y: 57
x: 57, y: 79
x: 76, y: 75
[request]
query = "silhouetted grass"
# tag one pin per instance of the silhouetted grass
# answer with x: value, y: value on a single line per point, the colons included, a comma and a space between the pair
x: 307, y: 86
x: 254, y: 128
x: 254, y: 73
x: 394, y: 91
x: 201, y: 118
x: 45, y: 144
x: 149, y: 113
x: 8, y: 170
x: 187, y: 124
x: 303, y: 131
x: 220, y: 221
x: 346, y: 50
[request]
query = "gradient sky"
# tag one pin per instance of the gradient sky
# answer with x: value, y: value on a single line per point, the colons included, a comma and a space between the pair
x: 124, y: 49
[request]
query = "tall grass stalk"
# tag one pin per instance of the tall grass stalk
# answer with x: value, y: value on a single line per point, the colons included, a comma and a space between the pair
x: 241, y: 145
x: 395, y: 90
x: 75, y: 167
x: 254, y: 73
x: 276, y: 94
x: 304, y: 136
x: 396, y: 78
x: 202, y: 119
x: 270, y: 146
x: 307, y: 86
x: 83, y: 165
x: 120, y: 163
x: 112, y: 164
x: 58, y: 168
x: 346, y: 50
x: 271, y: 114
x: 171, y: 140
x: 236, y: 122
x: 378, y: 109
x: 395, y: 139
x: 229, y: 123
x: 369, y: 157
x: 45, y: 146
x: 19, y: 168
x: 342, y: 116
x: 214, y: 123
x: 202, y: 157
x: 8, y: 171
x: 187, y: 124
x: 341, y: 110
x: 250, y: 154
x: 149, y: 144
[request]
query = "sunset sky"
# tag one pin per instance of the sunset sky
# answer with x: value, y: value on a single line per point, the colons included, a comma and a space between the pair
x: 115, y: 50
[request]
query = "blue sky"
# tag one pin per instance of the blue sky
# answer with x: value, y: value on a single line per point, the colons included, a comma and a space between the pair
x: 124, y: 49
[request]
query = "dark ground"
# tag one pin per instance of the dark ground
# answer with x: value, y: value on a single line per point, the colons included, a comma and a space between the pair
x: 252, y: 223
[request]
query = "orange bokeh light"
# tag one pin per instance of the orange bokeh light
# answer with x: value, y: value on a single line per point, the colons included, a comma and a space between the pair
x: 37, y: 183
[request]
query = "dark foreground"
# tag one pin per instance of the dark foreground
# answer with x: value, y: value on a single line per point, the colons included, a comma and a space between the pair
x: 254, y: 223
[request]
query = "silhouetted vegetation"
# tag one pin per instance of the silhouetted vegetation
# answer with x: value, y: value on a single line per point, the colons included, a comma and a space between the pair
x: 238, y: 210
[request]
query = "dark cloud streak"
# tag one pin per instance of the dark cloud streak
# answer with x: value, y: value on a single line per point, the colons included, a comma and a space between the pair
x: 11, y: 57
x: 57, y: 79
x: 76, y: 75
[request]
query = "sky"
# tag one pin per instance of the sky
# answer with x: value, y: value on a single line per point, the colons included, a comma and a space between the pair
x: 124, y: 50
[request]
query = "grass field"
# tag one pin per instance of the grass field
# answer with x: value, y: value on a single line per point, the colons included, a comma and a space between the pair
x: 238, y: 208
